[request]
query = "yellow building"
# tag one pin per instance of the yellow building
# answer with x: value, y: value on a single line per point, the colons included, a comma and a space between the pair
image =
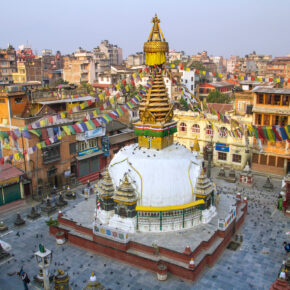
x: 228, y: 151
x: 20, y: 75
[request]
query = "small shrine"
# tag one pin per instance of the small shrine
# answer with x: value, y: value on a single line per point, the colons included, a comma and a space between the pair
x: 204, y: 190
x: 268, y: 184
x: 195, y: 146
x: 104, y: 198
x: 125, y: 200
x: 105, y: 191
x: 33, y: 214
x: 246, y: 176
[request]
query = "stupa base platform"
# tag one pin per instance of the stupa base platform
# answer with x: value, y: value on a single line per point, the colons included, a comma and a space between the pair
x: 204, y: 243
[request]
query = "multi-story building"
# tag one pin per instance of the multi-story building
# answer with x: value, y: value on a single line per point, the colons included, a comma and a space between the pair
x: 112, y: 52
x: 80, y: 67
x: 8, y: 64
x: 222, y: 87
x: 188, y: 79
x: 279, y: 67
x: 271, y: 107
x: 136, y: 59
x: 231, y: 63
x: 174, y: 55
x: 227, y: 151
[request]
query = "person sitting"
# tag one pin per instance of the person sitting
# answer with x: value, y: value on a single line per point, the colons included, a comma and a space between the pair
x: 286, y: 247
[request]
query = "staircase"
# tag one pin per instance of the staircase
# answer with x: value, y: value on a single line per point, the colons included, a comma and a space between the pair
x: 90, y: 177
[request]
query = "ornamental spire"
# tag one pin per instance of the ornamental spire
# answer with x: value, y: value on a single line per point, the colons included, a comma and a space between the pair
x: 156, y: 47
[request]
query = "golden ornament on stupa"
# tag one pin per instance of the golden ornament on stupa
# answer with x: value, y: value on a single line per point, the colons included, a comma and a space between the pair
x: 156, y: 47
x: 195, y: 146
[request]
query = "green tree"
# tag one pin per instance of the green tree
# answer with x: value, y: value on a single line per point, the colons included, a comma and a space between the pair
x: 218, y: 97
x: 183, y: 104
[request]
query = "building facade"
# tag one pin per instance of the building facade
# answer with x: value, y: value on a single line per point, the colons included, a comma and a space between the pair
x: 8, y: 64
x: 227, y: 150
x: 271, y: 107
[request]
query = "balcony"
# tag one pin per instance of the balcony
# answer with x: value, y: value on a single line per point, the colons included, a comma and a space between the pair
x: 51, y: 153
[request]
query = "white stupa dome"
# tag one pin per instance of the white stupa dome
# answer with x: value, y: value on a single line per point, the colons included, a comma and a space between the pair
x: 161, y: 178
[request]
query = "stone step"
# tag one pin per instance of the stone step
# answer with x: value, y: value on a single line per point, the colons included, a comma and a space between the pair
x: 197, y: 259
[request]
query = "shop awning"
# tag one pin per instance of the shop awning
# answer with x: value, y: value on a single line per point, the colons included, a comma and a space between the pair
x: 90, y: 155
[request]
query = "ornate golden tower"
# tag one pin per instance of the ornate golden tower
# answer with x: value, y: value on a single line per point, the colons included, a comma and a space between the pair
x: 155, y: 128
x: 156, y: 46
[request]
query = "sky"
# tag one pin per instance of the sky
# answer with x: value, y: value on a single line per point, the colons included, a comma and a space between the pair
x: 221, y: 27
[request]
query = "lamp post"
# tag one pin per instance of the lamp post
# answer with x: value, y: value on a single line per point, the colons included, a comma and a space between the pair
x: 43, y: 259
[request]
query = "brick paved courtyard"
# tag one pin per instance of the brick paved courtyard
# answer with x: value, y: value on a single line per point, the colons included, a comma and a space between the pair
x: 255, y: 264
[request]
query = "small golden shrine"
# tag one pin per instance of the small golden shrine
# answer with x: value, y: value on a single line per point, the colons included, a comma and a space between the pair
x: 195, y: 146
x: 106, y: 190
x: 125, y: 199
x: 204, y: 189
x: 105, y: 187
x: 156, y: 47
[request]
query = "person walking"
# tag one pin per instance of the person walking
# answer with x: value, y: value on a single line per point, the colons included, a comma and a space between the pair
x: 24, y: 277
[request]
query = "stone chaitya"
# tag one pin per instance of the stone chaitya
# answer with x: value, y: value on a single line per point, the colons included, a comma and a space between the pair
x: 125, y: 200
x: 105, y: 191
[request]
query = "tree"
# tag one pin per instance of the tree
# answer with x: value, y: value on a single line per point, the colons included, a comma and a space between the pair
x: 218, y: 97
x: 184, y: 105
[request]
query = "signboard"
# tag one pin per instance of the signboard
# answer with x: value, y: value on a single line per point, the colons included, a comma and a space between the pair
x: 98, y: 132
x: 88, y: 151
x: 106, y: 146
x: 222, y: 147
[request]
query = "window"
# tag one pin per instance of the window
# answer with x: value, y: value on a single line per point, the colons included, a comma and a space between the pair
x: 266, y: 120
x: 255, y: 158
x: 277, y: 100
x: 195, y: 128
x: 51, y: 153
x: 18, y: 100
x: 263, y: 160
x: 72, y: 148
x: 186, y: 81
x: 208, y: 130
x: 275, y: 120
x: 284, y: 121
x: 2, y: 101
x: 258, y: 119
x: 280, y: 162
x: 285, y: 101
x: 222, y: 156
x: 223, y: 132
x: 237, y: 158
x: 191, y: 87
x: 260, y: 99
x: 272, y: 160
x: 182, y: 127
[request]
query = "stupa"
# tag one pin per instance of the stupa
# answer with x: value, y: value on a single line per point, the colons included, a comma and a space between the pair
x: 158, y: 178
x: 155, y: 207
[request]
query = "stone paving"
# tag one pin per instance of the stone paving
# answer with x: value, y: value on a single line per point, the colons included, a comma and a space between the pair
x: 254, y: 265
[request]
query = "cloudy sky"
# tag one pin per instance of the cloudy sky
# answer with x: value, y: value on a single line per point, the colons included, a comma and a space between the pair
x: 222, y: 27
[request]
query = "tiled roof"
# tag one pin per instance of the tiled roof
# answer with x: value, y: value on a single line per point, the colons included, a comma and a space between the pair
x: 8, y: 171
x: 221, y: 108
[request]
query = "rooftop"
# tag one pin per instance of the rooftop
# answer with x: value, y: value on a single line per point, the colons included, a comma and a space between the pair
x: 267, y: 90
x: 8, y: 171
x: 221, y: 108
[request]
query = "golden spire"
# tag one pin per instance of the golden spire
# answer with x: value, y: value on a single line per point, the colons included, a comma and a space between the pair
x: 156, y: 46
x: 195, y: 146
x: 125, y: 192
x: 155, y: 108
x: 105, y: 187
